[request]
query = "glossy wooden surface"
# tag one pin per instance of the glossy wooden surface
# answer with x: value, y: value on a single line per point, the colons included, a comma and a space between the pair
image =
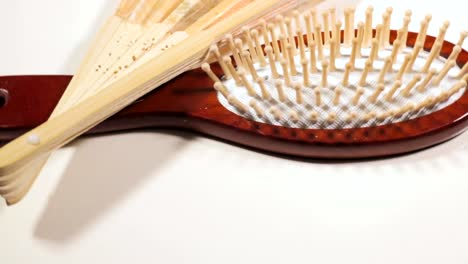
x: 189, y: 102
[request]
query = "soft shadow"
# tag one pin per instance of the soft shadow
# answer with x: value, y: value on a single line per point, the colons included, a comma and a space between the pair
x: 101, y: 173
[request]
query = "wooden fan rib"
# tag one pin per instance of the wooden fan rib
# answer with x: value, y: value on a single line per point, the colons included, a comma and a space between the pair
x: 98, y: 45
x: 126, y: 8
x: 161, y: 12
x: 142, y: 10
x: 142, y: 47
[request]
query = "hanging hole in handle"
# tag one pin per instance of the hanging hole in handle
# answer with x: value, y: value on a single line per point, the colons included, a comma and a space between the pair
x: 3, y: 97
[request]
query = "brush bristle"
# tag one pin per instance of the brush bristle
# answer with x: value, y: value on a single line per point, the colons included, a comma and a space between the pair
x: 313, y: 79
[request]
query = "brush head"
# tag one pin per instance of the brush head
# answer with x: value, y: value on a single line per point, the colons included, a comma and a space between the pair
x: 357, y: 87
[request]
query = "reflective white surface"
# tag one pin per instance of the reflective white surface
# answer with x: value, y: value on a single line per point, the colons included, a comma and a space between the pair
x: 176, y: 197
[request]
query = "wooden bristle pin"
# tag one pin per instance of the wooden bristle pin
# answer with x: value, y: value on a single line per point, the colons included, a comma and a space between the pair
x: 337, y: 38
x: 338, y: 92
x: 271, y: 62
x: 354, y: 51
x: 463, y: 71
x: 324, y: 82
x: 332, y: 55
x: 250, y: 67
x: 305, y: 72
x: 313, y: 116
x: 348, y: 28
x: 444, y: 72
x: 265, y: 94
x: 281, y: 24
x: 318, y: 96
x: 234, y: 51
x: 368, y: 27
x: 274, y: 41
x: 297, y: 20
x: 378, y: 90
x: 237, y: 104
x: 258, y: 48
x: 352, y: 12
x: 407, y: 91
x: 331, y: 117
x: 240, y: 49
x: 435, y: 51
x: 386, y: 36
x: 292, y: 63
x: 280, y: 90
x: 455, y: 52
x: 247, y: 84
x: 348, y: 69
x: 393, y: 90
x: 395, y: 50
x: 250, y: 44
x: 232, y: 70
x: 286, y: 74
x: 462, y: 38
x: 351, y: 117
x: 465, y: 77
x: 423, y: 30
x: 318, y: 42
x: 300, y: 40
x: 326, y: 28
x: 414, y: 55
x: 457, y: 87
x: 313, y: 57
x: 403, y: 67
x: 383, y: 34
x: 313, y: 16
x: 442, y: 31
x: 215, y: 50
x: 309, y: 29
x: 284, y: 47
x: 385, y: 69
x: 293, y: 116
x: 365, y: 72
x: 258, y: 110
x: 264, y: 30
x: 332, y: 12
x: 290, y: 35
x: 374, y: 54
x: 358, y: 95
x: 427, y: 80
x: 218, y: 86
x: 360, y: 39
x: 404, y: 34
x: 369, y: 116
x: 276, y: 113
x: 207, y: 69
x: 378, y: 34
x: 299, y: 98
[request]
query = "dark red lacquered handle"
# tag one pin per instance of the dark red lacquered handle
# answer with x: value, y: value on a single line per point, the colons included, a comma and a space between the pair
x: 189, y: 102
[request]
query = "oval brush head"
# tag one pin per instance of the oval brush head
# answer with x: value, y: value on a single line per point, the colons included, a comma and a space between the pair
x: 345, y: 87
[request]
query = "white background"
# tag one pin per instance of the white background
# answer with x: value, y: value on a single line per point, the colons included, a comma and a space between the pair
x: 173, y: 197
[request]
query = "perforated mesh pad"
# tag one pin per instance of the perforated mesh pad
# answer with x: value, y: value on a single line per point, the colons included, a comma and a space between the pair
x: 345, y: 106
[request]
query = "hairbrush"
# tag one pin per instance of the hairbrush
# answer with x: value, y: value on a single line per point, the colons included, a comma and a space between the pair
x: 144, y: 45
x: 315, y: 90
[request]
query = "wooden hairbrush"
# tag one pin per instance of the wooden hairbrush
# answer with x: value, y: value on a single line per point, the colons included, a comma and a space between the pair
x: 144, y: 45
x: 370, y: 96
